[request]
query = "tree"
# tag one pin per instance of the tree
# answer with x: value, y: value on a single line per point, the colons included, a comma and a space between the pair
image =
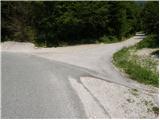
x: 150, y: 17
x: 56, y: 23
x: 15, y: 25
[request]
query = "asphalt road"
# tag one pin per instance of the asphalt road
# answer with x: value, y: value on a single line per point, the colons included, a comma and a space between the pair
x: 36, y: 88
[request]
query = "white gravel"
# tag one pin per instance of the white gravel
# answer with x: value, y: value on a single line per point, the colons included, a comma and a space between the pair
x: 119, y: 101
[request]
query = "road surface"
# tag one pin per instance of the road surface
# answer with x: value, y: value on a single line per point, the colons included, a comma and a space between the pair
x: 37, y: 88
x: 37, y: 84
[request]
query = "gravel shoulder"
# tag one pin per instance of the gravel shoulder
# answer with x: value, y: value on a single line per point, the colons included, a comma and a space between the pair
x: 106, y: 93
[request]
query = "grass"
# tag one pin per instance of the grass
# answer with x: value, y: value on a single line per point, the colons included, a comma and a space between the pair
x: 128, y: 63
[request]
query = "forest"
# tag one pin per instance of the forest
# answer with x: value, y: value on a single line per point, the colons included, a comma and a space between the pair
x: 53, y: 23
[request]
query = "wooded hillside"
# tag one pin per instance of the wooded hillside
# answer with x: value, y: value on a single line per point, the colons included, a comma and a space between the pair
x: 67, y: 23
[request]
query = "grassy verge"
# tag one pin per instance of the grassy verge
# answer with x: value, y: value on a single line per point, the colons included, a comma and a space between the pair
x: 143, y: 71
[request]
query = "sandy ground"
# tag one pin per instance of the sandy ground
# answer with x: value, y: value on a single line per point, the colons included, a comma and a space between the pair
x: 115, y: 97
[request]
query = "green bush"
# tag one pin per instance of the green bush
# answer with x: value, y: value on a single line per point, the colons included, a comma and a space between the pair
x: 59, y: 22
x: 151, y: 41
x: 108, y: 39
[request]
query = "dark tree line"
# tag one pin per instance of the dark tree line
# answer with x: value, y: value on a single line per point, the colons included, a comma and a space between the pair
x: 67, y: 23
x: 150, y: 17
x: 150, y: 23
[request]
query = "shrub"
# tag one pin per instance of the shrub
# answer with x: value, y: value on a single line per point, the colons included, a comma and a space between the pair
x: 109, y: 39
x: 151, y: 41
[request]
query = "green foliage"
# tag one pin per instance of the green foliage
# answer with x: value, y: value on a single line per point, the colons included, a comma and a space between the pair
x: 150, y: 17
x: 55, y: 23
x: 155, y: 110
x: 151, y: 41
x: 135, y: 71
x: 150, y: 24
x: 109, y: 39
x: 15, y: 25
x: 123, y: 18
